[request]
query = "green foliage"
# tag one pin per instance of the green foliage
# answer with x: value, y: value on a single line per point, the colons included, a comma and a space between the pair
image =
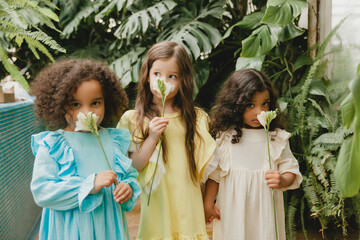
x: 21, y: 20
x: 348, y: 167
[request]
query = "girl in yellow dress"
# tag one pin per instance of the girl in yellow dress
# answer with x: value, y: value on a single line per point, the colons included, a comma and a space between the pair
x: 175, y: 210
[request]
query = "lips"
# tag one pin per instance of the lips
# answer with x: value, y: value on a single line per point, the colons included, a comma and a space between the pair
x: 256, y: 121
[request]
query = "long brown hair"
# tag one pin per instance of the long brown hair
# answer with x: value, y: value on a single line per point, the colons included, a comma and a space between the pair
x: 231, y: 102
x: 183, y: 99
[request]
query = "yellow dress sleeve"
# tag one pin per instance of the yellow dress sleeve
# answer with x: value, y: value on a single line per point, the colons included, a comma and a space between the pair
x: 205, y: 146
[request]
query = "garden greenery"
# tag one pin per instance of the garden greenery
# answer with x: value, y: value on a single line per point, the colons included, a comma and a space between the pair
x: 220, y: 36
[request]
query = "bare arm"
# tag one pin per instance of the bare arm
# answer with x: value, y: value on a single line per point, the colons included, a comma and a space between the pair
x: 211, y: 211
x: 156, y: 127
x: 277, y: 180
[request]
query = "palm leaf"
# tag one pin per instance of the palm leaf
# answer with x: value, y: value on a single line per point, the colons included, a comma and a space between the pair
x: 139, y: 22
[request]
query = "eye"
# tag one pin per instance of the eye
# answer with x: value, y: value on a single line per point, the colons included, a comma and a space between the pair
x: 172, y: 76
x: 157, y: 74
x: 266, y: 103
x: 249, y: 105
x: 96, y: 103
x: 75, y: 104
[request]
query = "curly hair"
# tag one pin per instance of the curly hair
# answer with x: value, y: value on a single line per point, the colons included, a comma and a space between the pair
x: 55, y: 86
x: 231, y: 102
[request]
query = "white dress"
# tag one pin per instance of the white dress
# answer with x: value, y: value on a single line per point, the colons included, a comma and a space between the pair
x: 244, y: 199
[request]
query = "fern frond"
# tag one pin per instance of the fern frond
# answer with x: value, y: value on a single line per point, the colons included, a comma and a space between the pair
x: 303, y: 98
x: 319, y: 171
x: 321, y: 51
x: 302, y: 219
x: 36, y: 44
x: 290, y: 218
x: 11, y: 68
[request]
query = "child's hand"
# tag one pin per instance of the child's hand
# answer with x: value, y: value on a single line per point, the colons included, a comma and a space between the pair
x: 123, y: 192
x: 104, y: 179
x: 157, y: 126
x: 277, y: 180
x: 211, y: 212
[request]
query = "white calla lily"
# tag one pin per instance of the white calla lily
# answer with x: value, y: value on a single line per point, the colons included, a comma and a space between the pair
x: 87, y: 123
x: 162, y: 87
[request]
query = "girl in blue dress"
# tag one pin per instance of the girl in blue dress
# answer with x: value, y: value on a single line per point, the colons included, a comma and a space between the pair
x: 81, y: 197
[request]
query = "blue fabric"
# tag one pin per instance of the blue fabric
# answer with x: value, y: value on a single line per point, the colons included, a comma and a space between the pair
x: 65, y: 167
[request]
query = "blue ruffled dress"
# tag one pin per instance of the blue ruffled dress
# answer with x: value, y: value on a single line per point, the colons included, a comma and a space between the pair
x: 64, y: 171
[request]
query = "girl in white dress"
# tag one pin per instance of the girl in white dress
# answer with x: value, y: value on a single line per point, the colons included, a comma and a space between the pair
x: 242, y: 180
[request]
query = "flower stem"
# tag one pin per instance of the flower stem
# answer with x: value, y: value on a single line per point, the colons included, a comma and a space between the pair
x: 102, y: 148
x: 157, y: 159
x: 272, y: 190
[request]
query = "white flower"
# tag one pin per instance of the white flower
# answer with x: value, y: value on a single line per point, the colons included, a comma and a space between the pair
x: 87, y: 123
x: 162, y: 87
x: 266, y: 117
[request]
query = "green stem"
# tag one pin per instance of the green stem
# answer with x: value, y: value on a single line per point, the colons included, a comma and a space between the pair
x: 102, y: 148
x: 272, y: 190
x: 107, y: 161
x: 157, y: 159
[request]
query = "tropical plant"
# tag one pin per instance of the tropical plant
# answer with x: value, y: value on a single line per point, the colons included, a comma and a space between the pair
x: 20, y: 21
x: 348, y: 166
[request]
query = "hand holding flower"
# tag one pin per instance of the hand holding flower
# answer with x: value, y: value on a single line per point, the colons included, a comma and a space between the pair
x: 122, y: 193
x: 164, y: 89
x: 104, y: 179
x: 156, y: 127
x: 277, y: 180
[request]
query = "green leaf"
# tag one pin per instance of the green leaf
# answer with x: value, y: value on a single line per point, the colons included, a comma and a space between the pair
x: 202, y: 71
x: 12, y: 69
x: 348, y: 111
x: 127, y: 64
x: 348, y: 168
x: 249, y: 22
x: 283, y: 12
x: 261, y: 41
x: 303, y: 60
x: 255, y: 63
x: 290, y: 31
x: 138, y: 22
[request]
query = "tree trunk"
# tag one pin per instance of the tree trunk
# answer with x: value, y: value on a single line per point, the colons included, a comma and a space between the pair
x: 313, y: 25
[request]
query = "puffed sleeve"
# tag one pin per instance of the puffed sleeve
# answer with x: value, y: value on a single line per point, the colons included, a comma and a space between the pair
x: 123, y: 165
x: 55, y: 184
x: 128, y: 121
x: 205, y: 144
x: 288, y: 163
x: 282, y: 156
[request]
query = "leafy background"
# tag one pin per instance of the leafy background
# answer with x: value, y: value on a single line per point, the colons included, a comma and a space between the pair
x: 220, y: 36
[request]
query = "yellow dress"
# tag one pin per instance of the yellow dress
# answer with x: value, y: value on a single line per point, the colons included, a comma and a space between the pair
x: 176, y: 206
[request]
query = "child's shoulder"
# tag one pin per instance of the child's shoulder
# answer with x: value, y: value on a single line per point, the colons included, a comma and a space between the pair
x: 280, y: 134
x: 201, y: 114
x: 130, y: 114
x: 48, y: 139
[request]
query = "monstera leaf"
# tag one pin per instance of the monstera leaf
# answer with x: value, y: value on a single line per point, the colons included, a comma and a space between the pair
x: 283, y: 12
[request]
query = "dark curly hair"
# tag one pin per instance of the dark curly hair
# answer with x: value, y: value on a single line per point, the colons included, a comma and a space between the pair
x: 231, y: 102
x: 55, y: 85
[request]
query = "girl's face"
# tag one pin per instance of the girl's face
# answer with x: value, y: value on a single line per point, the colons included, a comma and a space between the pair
x: 87, y: 98
x: 260, y: 102
x: 167, y: 69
